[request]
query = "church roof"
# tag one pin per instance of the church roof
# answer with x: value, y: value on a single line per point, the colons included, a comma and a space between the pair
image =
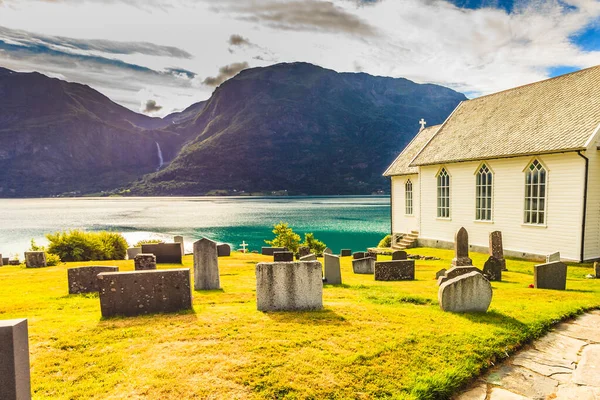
x: 400, y: 166
x: 554, y: 115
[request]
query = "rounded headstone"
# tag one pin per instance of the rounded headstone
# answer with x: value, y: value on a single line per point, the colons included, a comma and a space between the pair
x: 470, y: 292
x: 144, y: 261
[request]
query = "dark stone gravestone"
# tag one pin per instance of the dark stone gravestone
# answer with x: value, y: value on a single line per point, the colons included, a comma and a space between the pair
x: 372, y: 254
x: 492, y: 269
x: 303, y: 251
x: 550, y: 276
x: 346, y: 252
x: 166, y: 253
x: 268, y: 251
x: 496, y: 248
x: 597, y: 269
x: 15, y: 381
x: 206, y: 265
x: 144, y: 262
x: 85, y: 279
x: 457, y: 271
x: 144, y: 292
x: 358, y: 255
x: 333, y: 273
x: 363, y: 266
x: 1, y: 261
x: 35, y: 259
x: 396, y: 270
x: 289, y: 286
x: 461, y: 249
x: 469, y: 292
x: 4, y: 260
x: 441, y: 272
x: 223, y: 250
x: 283, y: 256
x: 399, y: 255
x: 14, y: 262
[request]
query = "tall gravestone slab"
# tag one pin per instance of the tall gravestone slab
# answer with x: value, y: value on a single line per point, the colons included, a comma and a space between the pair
x: 85, y: 279
x: 457, y: 271
x: 333, y: 272
x: 554, y: 257
x: 597, y: 270
x: 144, y: 292
x: 4, y: 260
x: 309, y: 257
x: 363, y: 266
x: 461, y: 249
x: 283, y: 256
x: 492, y: 269
x: 399, y: 255
x: 179, y: 239
x: 466, y: 293
x: 289, y: 286
x: 550, y: 276
x: 206, y: 265
x: 132, y: 252
x: 395, y: 270
x: 15, y: 381
x: 144, y: 262
x: 268, y: 251
x: 496, y: 248
x: 346, y: 252
x: 166, y: 253
x: 223, y: 250
x: 35, y: 259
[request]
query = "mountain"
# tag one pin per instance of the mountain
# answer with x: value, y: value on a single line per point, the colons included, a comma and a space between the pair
x: 185, y: 115
x: 299, y: 128
x: 58, y: 137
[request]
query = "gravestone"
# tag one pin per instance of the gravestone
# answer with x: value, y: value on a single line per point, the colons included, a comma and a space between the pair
x: 457, y: 271
x: 496, y: 248
x: 223, y: 250
x: 550, y: 276
x: 346, y: 253
x: 399, y: 255
x: 85, y: 279
x: 143, y: 262
x: 550, y: 258
x: 132, y: 252
x: 166, y: 253
x: 179, y: 239
x: 35, y: 259
x: 206, y: 265
x: 597, y: 269
x: 363, y: 266
x: 289, y: 286
x: 283, y: 256
x: 333, y: 273
x: 396, y: 270
x: 371, y: 254
x: 309, y: 257
x: 15, y: 381
x: 144, y: 292
x: 14, y: 262
x: 268, y: 251
x: 327, y: 251
x: 358, y: 255
x: 466, y: 293
x: 461, y: 249
x: 492, y: 269
x: 1, y: 260
x: 5, y: 261
x: 303, y: 251
x: 441, y: 272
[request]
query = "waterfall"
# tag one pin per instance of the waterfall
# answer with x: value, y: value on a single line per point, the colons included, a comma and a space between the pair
x: 160, y: 156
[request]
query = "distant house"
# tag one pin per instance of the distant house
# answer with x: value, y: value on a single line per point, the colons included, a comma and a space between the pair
x: 524, y: 161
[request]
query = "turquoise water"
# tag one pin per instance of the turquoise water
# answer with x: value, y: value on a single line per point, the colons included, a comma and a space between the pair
x: 341, y: 222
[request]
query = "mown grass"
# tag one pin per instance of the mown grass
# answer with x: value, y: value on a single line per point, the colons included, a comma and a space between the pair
x: 372, y: 340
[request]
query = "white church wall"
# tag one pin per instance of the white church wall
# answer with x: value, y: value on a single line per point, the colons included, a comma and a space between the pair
x: 561, y: 232
x: 592, y: 224
x: 402, y: 223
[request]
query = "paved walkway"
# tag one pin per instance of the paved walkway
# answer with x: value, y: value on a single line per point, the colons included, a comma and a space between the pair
x: 564, y: 364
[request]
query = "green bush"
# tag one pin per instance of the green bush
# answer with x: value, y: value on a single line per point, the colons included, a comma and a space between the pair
x: 385, y: 242
x: 285, y: 237
x: 315, y: 245
x: 51, y: 259
x: 78, y: 245
x: 148, y: 241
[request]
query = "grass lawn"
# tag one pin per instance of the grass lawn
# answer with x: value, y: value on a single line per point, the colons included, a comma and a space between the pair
x: 372, y: 340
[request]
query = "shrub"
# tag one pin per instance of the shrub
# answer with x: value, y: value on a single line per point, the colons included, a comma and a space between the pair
x: 386, y: 241
x: 78, y: 245
x: 51, y: 259
x: 315, y: 245
x: 148, y: 241
x: 285, y: 237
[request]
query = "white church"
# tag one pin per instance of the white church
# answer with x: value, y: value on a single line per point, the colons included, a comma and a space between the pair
x: 524, y: 161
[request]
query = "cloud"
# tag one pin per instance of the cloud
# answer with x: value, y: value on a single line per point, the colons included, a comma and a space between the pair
x: 151, y: 107
x: 225, y: 73
x: 238, y: 40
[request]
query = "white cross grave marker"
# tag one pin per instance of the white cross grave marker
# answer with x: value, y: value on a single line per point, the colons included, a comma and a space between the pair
x: 244, y: 245
x: 422, y: 122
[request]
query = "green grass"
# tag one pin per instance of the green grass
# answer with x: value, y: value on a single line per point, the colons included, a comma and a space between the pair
x: 372, y: 340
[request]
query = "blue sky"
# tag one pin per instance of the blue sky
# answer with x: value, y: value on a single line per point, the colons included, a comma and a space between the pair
x: 175, y: 52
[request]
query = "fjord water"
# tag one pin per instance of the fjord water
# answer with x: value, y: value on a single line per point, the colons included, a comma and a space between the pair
x: 341, y: 222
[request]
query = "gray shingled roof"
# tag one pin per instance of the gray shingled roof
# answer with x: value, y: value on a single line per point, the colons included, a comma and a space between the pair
x: 400, y: 166
x: 554, y: 115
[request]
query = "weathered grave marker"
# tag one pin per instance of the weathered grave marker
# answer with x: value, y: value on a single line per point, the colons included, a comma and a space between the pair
x: 85, y: 279
x: 346, y: 252
x: 492, y: 269
x: 268, y: 251
x: 396, y: 270
x: 363, y: 266
x: 399, y: 255
x: 461, y: 249
x: 597, y: 269
x: 496, y: 248
x: 15, y: 381
x: 327, y: 251
x: 144, y: 262
x: 166, y: 253
x: 283, y: 256
x: 309, y: 257
x: 551, y: 275
x: 179, y: 239
x: 35, y: 259
x: 303, y: 251
x: 550, y: 258
x: 206, y: 265
x: 358, y: 255
x: 466, y: 293
x: 457, y: 271
x: 223, y: 250
x: 333, y: 273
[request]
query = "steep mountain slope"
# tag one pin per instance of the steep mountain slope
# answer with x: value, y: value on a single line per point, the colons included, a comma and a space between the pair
x: 185, y: 115
x: 57, y: 136
x: 300, y: 128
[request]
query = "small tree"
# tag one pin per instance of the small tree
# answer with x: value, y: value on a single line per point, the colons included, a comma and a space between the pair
x: 285, y: 237
x: 315, y: 245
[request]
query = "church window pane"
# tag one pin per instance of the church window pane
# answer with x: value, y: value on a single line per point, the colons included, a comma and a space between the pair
x: 443, y: 194
x: 408, y: 197
x: 535, y: 193
x: 483, y: 190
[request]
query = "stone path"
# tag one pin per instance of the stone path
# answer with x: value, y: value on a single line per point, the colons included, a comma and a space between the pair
x: 564, y: 364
